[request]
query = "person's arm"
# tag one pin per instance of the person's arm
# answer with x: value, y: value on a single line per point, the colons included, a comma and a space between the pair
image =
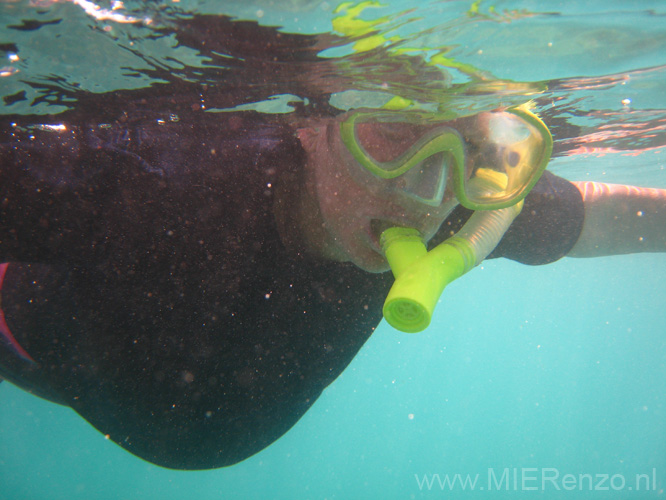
x: 620, y: 219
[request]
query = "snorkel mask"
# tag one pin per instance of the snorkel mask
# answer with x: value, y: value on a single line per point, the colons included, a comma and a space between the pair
x: 517, y: 149
x: 415, y: 156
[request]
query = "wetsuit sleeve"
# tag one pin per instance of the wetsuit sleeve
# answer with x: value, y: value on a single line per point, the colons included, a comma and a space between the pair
x: 548, y: 226
x: 546, y: 229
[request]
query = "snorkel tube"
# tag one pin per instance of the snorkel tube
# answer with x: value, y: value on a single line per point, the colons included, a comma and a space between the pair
x: 421, y: 276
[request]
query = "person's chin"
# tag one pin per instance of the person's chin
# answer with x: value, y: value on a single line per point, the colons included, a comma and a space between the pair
x: 357, y: 245
x: 368, y: 260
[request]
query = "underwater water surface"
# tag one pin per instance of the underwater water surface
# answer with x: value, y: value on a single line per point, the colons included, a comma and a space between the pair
x: 526, y: 375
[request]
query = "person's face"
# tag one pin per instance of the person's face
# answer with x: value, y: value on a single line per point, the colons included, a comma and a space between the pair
x: 355, y: 212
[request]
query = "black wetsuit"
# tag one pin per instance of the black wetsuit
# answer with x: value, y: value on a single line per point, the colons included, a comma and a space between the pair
x: 149, y: 286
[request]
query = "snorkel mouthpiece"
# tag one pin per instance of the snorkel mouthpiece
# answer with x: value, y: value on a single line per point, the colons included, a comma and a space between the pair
x: 421, y: 276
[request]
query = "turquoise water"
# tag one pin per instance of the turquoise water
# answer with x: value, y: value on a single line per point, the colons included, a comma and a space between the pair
x: 526, y: 374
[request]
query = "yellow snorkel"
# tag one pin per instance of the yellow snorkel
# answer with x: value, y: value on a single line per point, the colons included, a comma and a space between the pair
x: 421, y: 276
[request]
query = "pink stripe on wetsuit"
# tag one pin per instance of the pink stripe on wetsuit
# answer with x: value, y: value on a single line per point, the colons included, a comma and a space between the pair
x: 4, y: 328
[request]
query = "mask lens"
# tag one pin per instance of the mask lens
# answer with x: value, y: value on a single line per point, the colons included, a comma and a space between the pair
x: 513, y: 156
x: 407, y: 150
x: 385, y: 140
x: 426, y: 181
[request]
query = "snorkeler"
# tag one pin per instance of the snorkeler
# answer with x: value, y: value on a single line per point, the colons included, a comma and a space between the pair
x: 190, y: 282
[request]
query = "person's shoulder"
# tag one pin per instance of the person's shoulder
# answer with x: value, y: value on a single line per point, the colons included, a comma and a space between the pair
x: 552, y: 186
